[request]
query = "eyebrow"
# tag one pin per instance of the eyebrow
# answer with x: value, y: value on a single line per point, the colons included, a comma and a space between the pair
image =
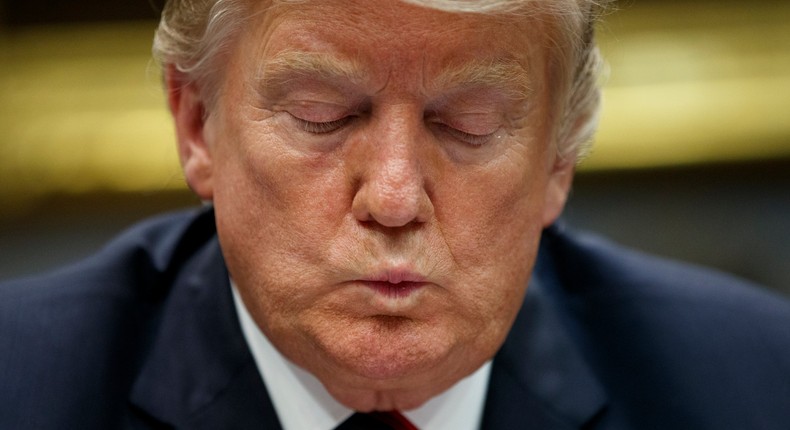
x: 290, y: 65
x: 505, y: 74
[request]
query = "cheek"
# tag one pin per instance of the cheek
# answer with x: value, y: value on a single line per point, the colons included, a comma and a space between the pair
x: 274, y: 206
x: 273, y: 182
x: 494, y: 214
x: 492, y: 225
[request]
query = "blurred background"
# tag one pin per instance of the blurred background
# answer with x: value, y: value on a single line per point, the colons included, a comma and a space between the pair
x: 692, y: 160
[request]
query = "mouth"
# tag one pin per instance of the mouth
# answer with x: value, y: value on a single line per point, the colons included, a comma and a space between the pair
x: 392, y: 290
x: 395, y: 284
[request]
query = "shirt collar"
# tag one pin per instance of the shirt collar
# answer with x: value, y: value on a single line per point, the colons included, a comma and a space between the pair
x: 302, y: 402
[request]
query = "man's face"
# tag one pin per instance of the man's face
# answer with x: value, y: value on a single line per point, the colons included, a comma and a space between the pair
x: 381, y: 174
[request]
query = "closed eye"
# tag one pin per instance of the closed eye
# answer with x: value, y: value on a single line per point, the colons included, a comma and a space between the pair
x: 471, y: 139
x: 326, y: 127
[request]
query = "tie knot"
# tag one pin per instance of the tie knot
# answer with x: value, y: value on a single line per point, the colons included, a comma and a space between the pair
x: 377, y: 420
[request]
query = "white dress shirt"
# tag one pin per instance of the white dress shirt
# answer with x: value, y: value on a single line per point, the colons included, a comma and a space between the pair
x: 302, y: 402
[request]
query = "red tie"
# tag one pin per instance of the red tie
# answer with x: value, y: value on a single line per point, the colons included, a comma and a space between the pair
x: 390, y: 420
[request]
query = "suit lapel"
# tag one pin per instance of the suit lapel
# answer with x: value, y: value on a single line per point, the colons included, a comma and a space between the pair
x: 199, y: 372
x: 540, y: 379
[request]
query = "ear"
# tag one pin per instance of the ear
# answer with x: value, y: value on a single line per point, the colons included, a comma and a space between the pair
x: 558, y: 188
x: 188, y: 110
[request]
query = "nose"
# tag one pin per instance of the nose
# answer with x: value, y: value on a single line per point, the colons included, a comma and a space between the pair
x: 392, y: 181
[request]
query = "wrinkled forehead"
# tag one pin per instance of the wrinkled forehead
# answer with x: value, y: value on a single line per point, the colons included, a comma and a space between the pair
x: 564, y: 17
x: 560, y: 22
x: 416, y: 27
x: 378, y: 38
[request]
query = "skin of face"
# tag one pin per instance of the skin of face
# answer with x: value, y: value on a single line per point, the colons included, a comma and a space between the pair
x: 381, y: 174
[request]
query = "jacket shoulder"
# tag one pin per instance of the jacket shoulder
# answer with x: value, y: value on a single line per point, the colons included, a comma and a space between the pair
x: 134, y: 263
x: 590, y: 265
x: 672, y: 341
x: 77, y: 335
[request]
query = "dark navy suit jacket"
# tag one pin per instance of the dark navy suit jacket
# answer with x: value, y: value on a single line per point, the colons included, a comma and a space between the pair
x: 144, y: 335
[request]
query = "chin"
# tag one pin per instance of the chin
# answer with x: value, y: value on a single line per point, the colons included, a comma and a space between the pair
x: 388, y: 350
x: 393, y: 368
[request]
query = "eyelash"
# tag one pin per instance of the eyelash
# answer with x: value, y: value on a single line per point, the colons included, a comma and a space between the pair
x: 328, y: 127
x: 322, y: 127
x: 474, y: 140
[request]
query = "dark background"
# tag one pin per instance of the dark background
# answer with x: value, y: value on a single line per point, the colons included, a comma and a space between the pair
x: 14, y: 13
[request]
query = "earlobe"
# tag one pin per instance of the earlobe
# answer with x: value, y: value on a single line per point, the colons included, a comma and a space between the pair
x: 188, y: 110
x: 557, y: 190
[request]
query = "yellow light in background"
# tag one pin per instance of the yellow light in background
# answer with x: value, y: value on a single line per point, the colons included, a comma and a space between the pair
x: 82, y: 108
x: 695, y: 83
x: 694, y: 122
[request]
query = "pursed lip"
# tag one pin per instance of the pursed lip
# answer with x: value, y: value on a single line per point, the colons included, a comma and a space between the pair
x: 395, y: 283
x: 396, y: 276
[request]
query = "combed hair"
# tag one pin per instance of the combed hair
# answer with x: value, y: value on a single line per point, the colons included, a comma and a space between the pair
x: 193, y: 36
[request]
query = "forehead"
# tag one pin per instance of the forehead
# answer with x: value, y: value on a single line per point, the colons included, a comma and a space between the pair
x: 390, y: 36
